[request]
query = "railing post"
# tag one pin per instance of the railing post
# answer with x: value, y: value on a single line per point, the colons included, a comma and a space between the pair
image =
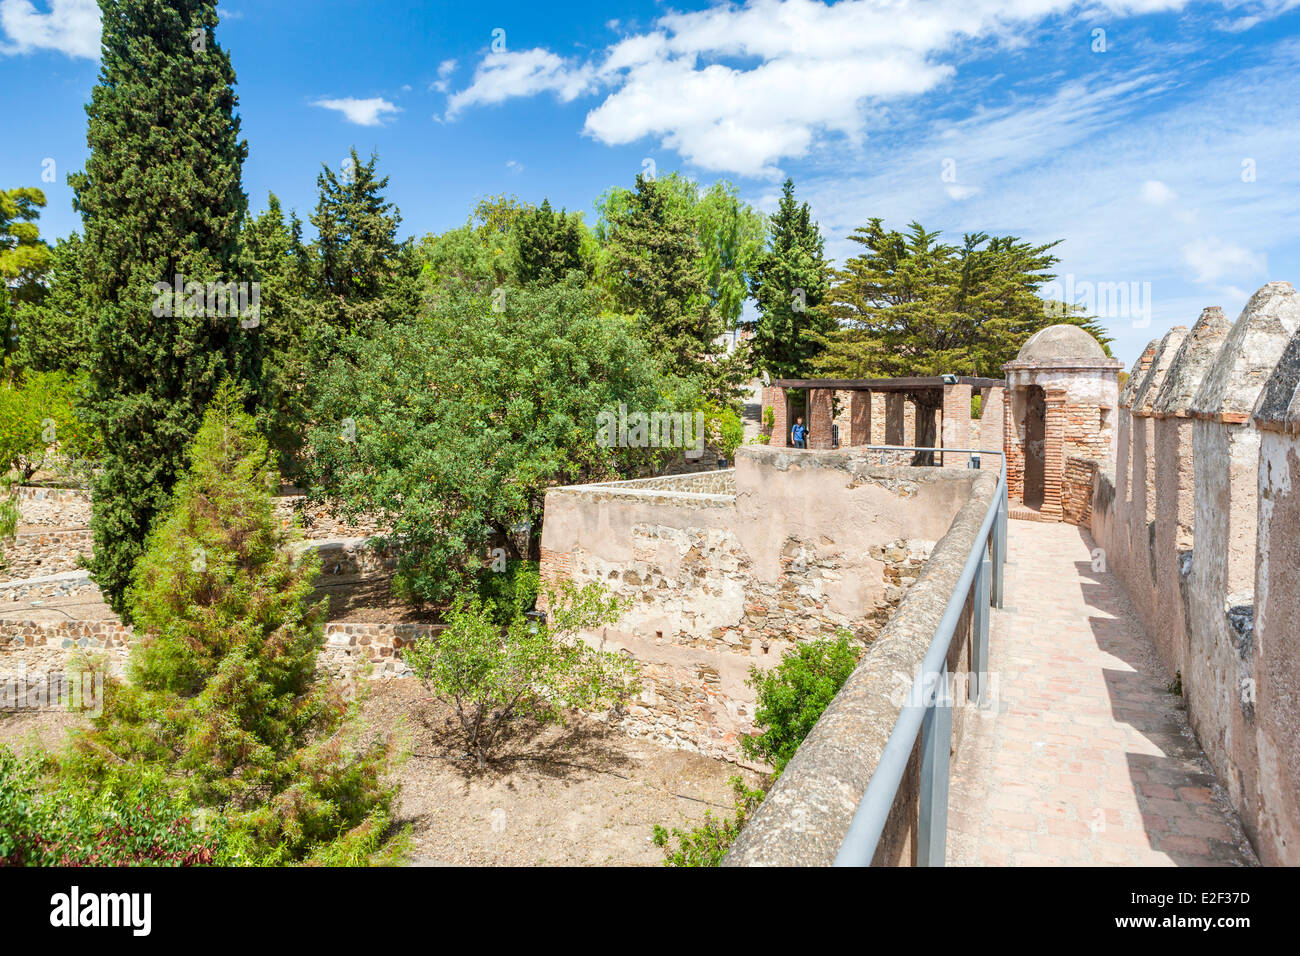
x: 936, y: 744
x: 999, y: 551
x: 980, y: 632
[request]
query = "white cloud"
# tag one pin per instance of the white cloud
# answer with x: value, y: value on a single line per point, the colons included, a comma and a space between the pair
x: 1157, y: 193
x: 445, y: 69
x: 1212, y: 259
x: 70, y: 27
x: 514, y: 166
x: 742, y: 87
x: 369, y: 112
x: 504, y: 75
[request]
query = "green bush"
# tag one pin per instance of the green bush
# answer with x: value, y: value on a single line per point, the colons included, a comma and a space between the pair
x: 707, y: 844
x: 792, y: 696
x: 492, y: 675
x: 512, y: 590
x: 726, y: 431
x: 47, y: 820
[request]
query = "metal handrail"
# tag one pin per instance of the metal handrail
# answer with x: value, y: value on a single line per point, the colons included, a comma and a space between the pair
x: 928, y: 709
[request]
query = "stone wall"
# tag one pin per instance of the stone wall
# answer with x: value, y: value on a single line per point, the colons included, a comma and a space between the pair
x: 804, y: 818
x: 1199, y: 522
x: 51, y: 646
x: 809, y: 542
x: 53, y: 507
x: 1076, y: 489
x: 31, y: 554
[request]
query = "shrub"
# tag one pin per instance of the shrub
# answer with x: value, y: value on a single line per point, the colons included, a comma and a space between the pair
x: 492, y: 674
x: 726, y: 431
x: 707, y: 844
x: 512, y: 590
x: 792, y: 696
x: 223, y: 698
x: 46, y: 820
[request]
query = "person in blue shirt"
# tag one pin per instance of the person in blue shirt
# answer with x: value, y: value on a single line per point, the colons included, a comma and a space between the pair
x: 799, y: 433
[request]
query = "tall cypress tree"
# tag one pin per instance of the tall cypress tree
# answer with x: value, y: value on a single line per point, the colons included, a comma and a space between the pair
x: 655, y: 269
x: 789, y: 284
x: 160, y: 197
x: 361, y: 265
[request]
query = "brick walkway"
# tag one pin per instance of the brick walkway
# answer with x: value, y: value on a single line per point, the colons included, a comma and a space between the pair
x: 1086, y: 758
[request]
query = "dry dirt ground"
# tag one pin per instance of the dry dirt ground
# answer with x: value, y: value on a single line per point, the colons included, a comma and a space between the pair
x: 578, y: 795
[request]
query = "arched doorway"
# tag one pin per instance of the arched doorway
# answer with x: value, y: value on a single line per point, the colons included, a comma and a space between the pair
x: 1035, y: 445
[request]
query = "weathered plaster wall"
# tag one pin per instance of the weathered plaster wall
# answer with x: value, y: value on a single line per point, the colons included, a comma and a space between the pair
x: 809, y: 542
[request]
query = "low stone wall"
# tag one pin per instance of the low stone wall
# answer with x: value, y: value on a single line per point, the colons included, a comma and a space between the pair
x: 36, y: 553
x: 53, y: 507
x: 318, y: 523
x: 804, y: 817
x: 809, y: 542
x: 51, y: 646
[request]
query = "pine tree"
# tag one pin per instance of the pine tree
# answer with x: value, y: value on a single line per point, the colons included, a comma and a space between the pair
x: 358, y: 256
x: 912, y: 305
x: 655, y: 270
x: 789, y: 285
x: 223, y: 699
x: 548, y: 245
x: 160, y: 198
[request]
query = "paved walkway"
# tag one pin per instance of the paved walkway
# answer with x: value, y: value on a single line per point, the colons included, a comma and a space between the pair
x: 1086, y: 758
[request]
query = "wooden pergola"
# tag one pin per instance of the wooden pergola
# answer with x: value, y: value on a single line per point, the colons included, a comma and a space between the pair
x: 947, y: 397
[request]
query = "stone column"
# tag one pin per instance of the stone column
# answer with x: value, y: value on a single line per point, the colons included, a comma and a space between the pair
x: 894, y: 418
x: 781, y: 419
x: 821, y: 415
x: 991, y: 428
x: 1013, y: 443
x: 1053, y: 452
x: 956, y: 423
x: 772, y: 396
x: 860, y: 416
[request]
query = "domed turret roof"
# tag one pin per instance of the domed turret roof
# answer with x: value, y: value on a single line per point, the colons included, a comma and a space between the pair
x: 1057, y: 342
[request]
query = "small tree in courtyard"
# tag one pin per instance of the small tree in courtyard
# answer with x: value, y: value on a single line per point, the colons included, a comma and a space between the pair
x: 492, y: 675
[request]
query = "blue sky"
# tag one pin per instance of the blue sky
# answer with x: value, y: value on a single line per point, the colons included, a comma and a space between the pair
x: 1163, y: 151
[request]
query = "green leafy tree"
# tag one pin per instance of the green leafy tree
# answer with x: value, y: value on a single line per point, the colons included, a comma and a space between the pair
x: 452, y: 427
x: 160, y: 198
x: 223, y: 698
x: 24, y: 259
x: 363, y: 273
x: 53, y: 333
x: 527, y: 670
x: 792, y: 696
x: 729, y: 231
x: 548, y: 245
x: 39, y: 413
x: 789, y: 284
x: 655, y: 269
x: 912, y: 305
